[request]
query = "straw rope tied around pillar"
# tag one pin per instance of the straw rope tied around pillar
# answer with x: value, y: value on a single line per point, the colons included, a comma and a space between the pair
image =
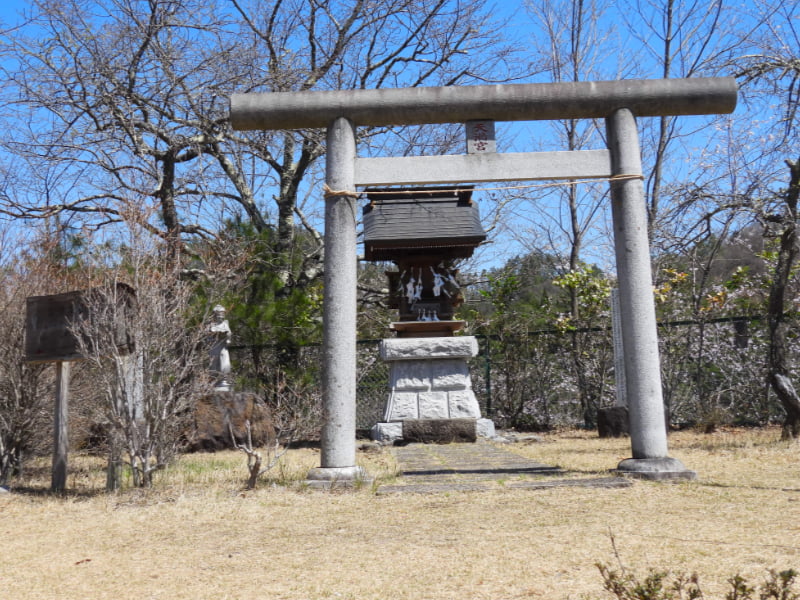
x: 331, y: 193
x: 615, y: 178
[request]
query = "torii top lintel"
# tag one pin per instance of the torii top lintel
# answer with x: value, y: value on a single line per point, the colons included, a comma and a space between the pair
x: 508, y: 102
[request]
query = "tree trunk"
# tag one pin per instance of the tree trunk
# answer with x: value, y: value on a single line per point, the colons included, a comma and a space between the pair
x: 778, y: 369
x: 169, y: 212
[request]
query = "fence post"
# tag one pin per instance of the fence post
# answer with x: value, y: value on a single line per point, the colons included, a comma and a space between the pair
x: 488, y: 376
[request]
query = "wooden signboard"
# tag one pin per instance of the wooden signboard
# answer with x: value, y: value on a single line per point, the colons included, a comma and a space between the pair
x: 50, y: 337
x: 49, y: 319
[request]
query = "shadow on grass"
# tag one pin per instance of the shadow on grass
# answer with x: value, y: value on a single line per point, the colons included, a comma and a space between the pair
x: 543, y: 470
x: 36, y: 491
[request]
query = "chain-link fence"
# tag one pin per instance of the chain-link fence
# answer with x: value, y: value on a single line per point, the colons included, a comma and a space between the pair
x: 256, y: 369
x: 712, y: 373
x: 372, y: 385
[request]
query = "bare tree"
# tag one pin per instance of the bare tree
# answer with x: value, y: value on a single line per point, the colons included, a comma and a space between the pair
x: 778, y: 363
x: 126, y: 98
x: 293, y: 411
x: 150, y: 359
x: 676, y: 38
x: 573, y: 45
x: 29, y: 266
x: 770, y: 73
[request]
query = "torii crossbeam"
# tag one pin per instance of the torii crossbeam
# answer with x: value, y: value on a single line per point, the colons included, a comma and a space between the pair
x: 618, y: 102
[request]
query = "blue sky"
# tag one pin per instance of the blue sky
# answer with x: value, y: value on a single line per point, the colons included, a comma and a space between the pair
x: 9, y: 10
x: 529, y: 137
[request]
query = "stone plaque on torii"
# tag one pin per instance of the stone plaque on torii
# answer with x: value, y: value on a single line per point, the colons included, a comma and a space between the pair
x: 619, y: 103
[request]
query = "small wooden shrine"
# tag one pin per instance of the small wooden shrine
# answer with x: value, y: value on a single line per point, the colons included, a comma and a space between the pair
x: 422, y: 231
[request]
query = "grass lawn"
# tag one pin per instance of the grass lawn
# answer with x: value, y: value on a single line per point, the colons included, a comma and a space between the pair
x: 199, y: 535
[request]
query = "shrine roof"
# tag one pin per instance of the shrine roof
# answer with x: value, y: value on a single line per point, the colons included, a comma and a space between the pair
x: 431, y: 221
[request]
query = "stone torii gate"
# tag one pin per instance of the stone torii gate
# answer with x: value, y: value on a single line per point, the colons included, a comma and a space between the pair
x: 617, y: 102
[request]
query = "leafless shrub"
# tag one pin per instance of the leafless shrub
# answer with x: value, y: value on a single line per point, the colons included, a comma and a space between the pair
x: 296, y: 414
x: 24, y: 387
x: 151, y: 362
x: 255, y: 459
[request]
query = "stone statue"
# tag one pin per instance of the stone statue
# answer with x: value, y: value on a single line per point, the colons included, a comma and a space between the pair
x: 220, y: 358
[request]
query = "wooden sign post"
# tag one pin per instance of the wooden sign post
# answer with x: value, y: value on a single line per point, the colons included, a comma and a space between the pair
x: 58, y: 480
x: 50, y: 337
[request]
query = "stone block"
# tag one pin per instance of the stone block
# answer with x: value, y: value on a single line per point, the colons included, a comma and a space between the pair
x: 410, y: 375
x: 612, y: 421
x: 386, y: 433
x: 485, y: 428
x: 463, y: 404
x: 218, y: 415
x: 439, y: 431
x: 403, y: 405
x: 449, y: 375
x: 433, y: 405
x: 426, y: 348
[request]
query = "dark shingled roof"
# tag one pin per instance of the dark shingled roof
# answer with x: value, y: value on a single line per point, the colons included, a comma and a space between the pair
x: 430, y: 220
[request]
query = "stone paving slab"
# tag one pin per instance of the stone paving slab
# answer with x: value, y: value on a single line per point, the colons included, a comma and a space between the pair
x: 595, y: 482
x: 435, y: 468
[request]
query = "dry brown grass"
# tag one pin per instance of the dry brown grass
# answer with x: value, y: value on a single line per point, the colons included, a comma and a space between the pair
x: 197, y: 535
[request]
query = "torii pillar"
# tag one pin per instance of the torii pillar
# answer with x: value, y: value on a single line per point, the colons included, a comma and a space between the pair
x: 618, y: 102
x: 338, y: 450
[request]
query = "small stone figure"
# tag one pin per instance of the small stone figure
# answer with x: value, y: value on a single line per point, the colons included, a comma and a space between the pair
x: 220, y: 358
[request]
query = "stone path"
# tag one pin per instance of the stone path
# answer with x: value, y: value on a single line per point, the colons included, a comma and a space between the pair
x: 431, y: 468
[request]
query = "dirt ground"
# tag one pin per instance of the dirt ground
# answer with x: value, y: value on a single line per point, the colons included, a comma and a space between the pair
x: 198, y: 535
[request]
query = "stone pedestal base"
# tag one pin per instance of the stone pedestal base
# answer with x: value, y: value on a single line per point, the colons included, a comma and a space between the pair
x: 337, y: 477
x: 429, y: 382
x: 429, y: 378
x: 655, y: 468
x: 218, y: 415
x: 439, y: 431
x: 612, y: 422
x: 485, y: 428
x: 388, y: 433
